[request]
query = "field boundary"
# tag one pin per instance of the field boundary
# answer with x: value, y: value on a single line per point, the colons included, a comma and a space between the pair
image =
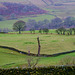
x: 41, y: 55
x: 51, y: 70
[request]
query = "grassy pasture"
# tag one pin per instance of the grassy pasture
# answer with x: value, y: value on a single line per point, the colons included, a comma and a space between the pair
x: 36, y: 31
x: 11, y: 59
x: 9, y: 23
x: 50, y: 44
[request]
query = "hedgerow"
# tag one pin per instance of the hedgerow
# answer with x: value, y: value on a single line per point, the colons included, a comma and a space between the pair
x: 52, y: 70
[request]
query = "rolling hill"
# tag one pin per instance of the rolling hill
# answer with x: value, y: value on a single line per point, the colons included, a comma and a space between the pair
x: 32, y: 9
x: 7, y: 9
x: 61, y: 8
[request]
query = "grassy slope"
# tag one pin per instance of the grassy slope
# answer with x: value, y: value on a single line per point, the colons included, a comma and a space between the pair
x: 50, y: 44
x: 7, y: 57
x: 9, y: 23
x: 20, y: 60
x: 67, y: 9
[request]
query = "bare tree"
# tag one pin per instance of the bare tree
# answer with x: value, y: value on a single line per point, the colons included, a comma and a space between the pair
x: 32, y: 61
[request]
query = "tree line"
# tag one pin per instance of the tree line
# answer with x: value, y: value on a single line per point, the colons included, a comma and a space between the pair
x: 20, y: 26
x: 63, y: 30
x: 45, y: 25
x: 55, y: 23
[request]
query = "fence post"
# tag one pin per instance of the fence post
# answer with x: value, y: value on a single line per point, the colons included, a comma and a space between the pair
x: 39, y: 46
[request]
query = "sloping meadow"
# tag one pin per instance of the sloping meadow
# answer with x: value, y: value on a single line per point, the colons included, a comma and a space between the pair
x: 50, y: 43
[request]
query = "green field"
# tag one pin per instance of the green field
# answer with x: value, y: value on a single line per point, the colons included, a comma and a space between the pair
x: 12, y: 59
x: 9, y: 23
x: 50, y: 43
x: 36, y: 31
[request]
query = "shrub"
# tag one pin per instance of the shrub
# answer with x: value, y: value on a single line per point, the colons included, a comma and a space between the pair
x: 67, y: 60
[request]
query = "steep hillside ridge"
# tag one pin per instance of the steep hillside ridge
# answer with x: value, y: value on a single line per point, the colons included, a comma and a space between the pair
x: 29, y: 7
x: 45, y: 3
x: 16, y: 1
x: 48, y: 2
x: 39, y: 3
x: 7, y: 8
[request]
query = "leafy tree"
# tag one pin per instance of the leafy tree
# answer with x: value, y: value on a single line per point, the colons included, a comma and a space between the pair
x: 69, y: 22
x: 40, y: 24
x: 57, y: 31
x: 45, y: 30
x: 55, y: 23
x: 45, y: 23
x: 40, y: 30
x: 19, y: 26
x: 32, y: 31
x: 61, y: 30
x: 32, y: 24
x: 73, y: 30
x: 64, y: 30
x: 70, y: 30
x: 56, y: 20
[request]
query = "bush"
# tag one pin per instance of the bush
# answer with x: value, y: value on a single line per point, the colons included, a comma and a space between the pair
x: 67, y: 60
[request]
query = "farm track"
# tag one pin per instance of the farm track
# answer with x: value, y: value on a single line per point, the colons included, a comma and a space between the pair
x: 41, y: 55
